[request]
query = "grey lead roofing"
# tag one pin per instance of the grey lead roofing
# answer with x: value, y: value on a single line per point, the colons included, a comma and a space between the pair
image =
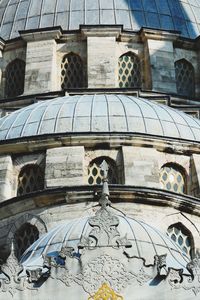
x: 99, y: 113
x: 179, y: 15
x: 146, y: 242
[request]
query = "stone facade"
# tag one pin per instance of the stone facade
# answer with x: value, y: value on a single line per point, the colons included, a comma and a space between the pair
x: 101, y: 193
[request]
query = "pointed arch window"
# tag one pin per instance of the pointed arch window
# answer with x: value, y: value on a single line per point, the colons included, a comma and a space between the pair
x: 30, y: 179
x: 95, y: 174
x: 14, y: 78
x: 185, y: 78
x: 129, y: 71
x: 72, y: 74
x: 25, y: 236
x: 172, y: 178
x: 182, y: 237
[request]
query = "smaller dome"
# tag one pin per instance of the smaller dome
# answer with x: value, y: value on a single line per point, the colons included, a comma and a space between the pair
x: 144, y: 241
x: 99, y: 114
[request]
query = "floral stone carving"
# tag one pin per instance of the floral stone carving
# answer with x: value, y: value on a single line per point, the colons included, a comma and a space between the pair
x: 11, y: 282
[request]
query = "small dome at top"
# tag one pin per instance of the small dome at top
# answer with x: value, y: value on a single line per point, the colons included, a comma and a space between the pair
x: 99, y: 114
x: 179, y: 15
x: 144, y: 241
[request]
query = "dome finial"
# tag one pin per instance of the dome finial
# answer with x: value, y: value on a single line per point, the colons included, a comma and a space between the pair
x: 104, y: 200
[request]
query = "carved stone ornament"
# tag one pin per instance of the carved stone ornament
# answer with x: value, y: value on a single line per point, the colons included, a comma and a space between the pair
x: 11, y: 270
x: 103, y: 269
x: 160, y: 263
x: 104, y: 232
x: 192, y: 282
x: 62, y: 274
x: 175, y: 278
x: 37, y: 274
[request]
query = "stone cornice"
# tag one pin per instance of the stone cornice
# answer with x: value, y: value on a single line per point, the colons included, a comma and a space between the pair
x: 156, y: 34
x: 118, y: 193
x: 41, y: 34
x: 101, y: 31
x: 105, y: 140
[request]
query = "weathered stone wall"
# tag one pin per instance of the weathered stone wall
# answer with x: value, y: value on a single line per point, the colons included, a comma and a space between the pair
x: 161, y: 55
x: 142, y: 166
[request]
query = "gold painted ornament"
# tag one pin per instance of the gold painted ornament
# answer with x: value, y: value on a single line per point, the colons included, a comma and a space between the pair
x: 105, y: 293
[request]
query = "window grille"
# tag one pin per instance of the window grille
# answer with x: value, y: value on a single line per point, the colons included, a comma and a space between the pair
x: 185, y: 79
x: 72, y: 72
x: 25, y: 236
x: 172, y: 179
x: 95, y: 174
x: 129, y: 71
x: 30, y: 179
x: 15, y: 75
x: 181, y: 236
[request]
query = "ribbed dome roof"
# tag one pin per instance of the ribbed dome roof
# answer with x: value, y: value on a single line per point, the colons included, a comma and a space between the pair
x: 99, y: 113
x: 146, y: 242
x: 181, y: 15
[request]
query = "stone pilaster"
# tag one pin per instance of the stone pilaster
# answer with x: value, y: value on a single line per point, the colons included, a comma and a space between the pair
x: 6, y: 177
x: 141, y: 167
x: 195, y: 175
x: 64, y: 166
x: 161, y: 60
x: 41, y: 69
x: 101, y: 53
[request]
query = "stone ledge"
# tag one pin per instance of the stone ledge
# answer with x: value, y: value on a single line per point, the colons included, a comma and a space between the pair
x: 85, y: 193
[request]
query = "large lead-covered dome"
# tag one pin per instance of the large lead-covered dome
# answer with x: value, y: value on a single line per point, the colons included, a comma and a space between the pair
x: 181, y: 15
x: 99, y: 114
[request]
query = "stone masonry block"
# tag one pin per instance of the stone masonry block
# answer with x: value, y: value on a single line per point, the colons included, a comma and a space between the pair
x: 64, y: 166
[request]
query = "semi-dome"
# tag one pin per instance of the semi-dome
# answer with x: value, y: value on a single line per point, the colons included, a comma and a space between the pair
x: 179, y: 15
x: 145, y: 242
x: 99, y: 114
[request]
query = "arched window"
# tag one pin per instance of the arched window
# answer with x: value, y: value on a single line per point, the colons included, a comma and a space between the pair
x: 25, y: 236
x: 15, y: 75
x: 95, y: 175
x: 72, y: 72
x: 30, y: 179
x: 185, y: 79
x: 129, y: 71
x: 182, y: 237
x: 172, y: 178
